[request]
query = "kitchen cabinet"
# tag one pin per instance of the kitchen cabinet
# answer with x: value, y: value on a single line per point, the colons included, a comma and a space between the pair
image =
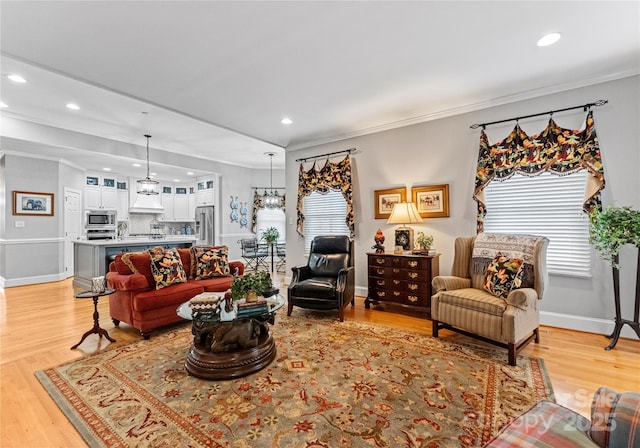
x: 100, y: 192
x: 122, y: 188
x: 205, y: 190
x: 176, y: 202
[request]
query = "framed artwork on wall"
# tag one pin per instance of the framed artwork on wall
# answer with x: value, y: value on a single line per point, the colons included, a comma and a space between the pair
x: 385, y: 199
x: 32, y: 204
x: 431, y: 201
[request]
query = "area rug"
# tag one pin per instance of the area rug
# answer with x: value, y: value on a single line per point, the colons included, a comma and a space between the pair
x: 331, y: 385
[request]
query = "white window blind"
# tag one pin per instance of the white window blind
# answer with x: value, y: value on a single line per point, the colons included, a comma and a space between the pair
x: 548, y: 205
x: 324, y: 214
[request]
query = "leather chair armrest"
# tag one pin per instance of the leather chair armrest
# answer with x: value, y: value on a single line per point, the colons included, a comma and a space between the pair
x: 345, y: 277
x: 523, y: 298
x: 300, y: 273
x: 449, y: 283
x: 131, y: 282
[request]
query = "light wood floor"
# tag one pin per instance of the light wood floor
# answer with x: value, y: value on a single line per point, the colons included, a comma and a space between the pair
x: 39, y: 324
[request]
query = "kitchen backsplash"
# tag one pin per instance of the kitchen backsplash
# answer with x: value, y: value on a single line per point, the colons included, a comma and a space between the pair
x: 141, y: 223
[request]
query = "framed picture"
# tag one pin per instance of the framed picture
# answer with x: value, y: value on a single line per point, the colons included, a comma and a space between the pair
x: 385, y: 199
x: 28, y: 203
x: 432, y: 201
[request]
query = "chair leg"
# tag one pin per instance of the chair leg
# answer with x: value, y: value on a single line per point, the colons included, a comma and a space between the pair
x: 341, y: 313
x: 537, y: 337
x: 434, y: 328
x: 289, y: 308
x: 512, y: 354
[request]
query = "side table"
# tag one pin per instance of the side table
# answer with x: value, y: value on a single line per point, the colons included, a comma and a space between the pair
x: 96, y: 324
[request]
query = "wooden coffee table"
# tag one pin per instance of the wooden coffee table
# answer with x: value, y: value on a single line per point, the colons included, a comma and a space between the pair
x: 96, y: 323
x: 226, y: 346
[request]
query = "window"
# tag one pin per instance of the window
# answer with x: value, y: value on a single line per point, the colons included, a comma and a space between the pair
x: 548, y: 205
x: 324, y: 214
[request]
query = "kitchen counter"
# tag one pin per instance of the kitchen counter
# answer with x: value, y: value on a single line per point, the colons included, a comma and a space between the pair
x: 92, y: 257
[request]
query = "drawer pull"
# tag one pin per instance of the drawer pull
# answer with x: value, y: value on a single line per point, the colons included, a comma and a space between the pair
x: 381, y: 282
x: 380, y: 271
x: 413, y: 275
x: 396, y: 293
x: 413, y: 264
x: 381, y: 293
x: 380, y: 260
x: 396, y: 271
x: 396, y: 282
x: 413, y: 286
x: 412, y: 298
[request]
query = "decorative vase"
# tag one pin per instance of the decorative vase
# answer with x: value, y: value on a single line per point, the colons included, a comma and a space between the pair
x: 252, y: 296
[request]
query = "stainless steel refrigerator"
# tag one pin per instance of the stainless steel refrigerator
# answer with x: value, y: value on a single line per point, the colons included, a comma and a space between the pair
x: 205, y: 230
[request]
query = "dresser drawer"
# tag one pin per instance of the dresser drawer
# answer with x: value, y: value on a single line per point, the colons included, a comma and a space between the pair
x: 421, y: 264
x: 388, y: 272
x: 416, y: 276
x: 387, y: 295
x: 421, y: 300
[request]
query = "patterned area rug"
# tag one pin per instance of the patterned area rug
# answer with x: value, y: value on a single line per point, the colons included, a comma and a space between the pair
x: 332, y: 385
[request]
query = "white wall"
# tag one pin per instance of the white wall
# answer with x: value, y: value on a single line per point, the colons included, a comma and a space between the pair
x: 445, y: 151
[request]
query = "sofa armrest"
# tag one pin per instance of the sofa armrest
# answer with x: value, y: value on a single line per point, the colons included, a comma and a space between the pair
x: 449, y: 283
x: 131, y: 282
x: 236, y: 268
x: 523, y: 298
x: 615, y: 418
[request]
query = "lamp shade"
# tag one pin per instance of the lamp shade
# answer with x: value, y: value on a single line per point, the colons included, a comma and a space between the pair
x: 404, y: 213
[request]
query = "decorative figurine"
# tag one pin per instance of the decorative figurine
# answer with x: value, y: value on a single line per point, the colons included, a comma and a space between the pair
x: 234, y: 209
x: 243, y: 213
x: 379, y: 239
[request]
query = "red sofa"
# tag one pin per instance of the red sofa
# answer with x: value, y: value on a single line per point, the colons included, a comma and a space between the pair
x: 138, y: 303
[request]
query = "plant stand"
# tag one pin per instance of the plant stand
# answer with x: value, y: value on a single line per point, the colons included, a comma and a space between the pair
x: 620, y: 322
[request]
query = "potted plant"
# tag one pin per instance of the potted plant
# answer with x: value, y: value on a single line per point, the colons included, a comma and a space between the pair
x: 270, y: 235
x: 612, y: 228
x: 258, y: 282
x: 423, y: 242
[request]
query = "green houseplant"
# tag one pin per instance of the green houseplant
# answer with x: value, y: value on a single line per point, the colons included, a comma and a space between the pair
x: 612, y: 228
x: 270, y: 235
x: 256, y: 281
x: 423, y: 241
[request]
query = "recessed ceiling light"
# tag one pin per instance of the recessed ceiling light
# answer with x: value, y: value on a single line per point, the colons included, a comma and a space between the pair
x: 176, y: 180
x: 189, y: 173
x: 3, y: 104
x: 17, y: 78
x: 136, y: 165
x: 286, y: 120
x: 154, y: 174
x: 106, y: 169
x: 549, y: 39
x: 73, y: 106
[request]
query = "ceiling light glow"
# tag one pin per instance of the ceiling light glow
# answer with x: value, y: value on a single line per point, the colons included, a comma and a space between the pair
x: 286, y: 120
x: 549, y: 39
x: 17, y: 78
x: 73, y: 106
x: 154, y: 174
x: 106, y: 169
x: 3, y: 104
x: 136, y: 165
x: 189, y: 173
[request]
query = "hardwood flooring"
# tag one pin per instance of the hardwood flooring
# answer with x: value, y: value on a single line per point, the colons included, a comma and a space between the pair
x: 39, y: 324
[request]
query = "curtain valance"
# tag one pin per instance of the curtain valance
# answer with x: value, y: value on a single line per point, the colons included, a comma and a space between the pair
x: 558, y: 150
x: 331, y: 177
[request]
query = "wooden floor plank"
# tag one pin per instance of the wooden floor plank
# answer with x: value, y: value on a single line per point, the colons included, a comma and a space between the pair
x: 39, y: 324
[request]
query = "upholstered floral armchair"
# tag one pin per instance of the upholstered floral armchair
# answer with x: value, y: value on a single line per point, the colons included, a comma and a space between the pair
x: 493, y: 291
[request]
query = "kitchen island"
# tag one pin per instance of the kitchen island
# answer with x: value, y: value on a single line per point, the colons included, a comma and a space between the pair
x: 91, y: 258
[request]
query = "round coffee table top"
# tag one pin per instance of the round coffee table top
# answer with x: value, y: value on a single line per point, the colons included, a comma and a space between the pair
x: 274, y: 303
x: 91, y: 294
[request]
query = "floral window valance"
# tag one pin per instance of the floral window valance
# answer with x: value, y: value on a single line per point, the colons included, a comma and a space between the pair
x: 558, y: 150
x: 331, y: 177
x: 257, y: 205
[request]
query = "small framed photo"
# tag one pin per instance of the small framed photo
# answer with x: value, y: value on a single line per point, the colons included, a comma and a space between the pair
x: 384, y: 200
x: 404, y: 239
x: 36, y: 204
x: 431, y: 201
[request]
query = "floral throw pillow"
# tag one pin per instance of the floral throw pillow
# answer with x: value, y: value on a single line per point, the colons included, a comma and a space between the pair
x: 503, y: 275
x: 166, y: 267
x: 210, y: 261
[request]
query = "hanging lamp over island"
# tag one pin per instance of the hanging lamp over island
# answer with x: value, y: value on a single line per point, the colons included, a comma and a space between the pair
x: 147, y: 199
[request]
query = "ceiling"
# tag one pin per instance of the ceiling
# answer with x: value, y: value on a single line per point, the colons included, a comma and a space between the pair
x: 213, y: 79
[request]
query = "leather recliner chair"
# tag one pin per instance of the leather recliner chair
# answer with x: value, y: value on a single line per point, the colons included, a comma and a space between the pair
x: 327, y: 281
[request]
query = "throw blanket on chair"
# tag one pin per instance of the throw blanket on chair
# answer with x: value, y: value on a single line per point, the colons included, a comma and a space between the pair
x: 488, y: 245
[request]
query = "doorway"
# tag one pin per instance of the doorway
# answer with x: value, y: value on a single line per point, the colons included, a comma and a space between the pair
x: 72, y: 226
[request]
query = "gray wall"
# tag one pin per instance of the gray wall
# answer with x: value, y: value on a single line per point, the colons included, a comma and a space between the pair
x: 445, y: 151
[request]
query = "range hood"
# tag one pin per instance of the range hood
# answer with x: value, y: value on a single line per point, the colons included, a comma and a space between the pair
x: 147, y: 204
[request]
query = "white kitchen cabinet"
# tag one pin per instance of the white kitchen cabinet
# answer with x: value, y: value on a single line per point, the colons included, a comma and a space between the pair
x: 176, y: 202
x: 205, y: 190
x: 122, y: 188
x: 100, y: 192
x: 166, y: 197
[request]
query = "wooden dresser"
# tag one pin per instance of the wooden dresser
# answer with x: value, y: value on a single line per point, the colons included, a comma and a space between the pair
x: 401, y: 281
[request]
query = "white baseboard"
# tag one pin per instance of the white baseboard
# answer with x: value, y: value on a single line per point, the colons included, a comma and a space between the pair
x: 32, y: 280
x: 582, y: 323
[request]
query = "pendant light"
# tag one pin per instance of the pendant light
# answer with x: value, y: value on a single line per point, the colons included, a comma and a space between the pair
x: 147, y: 185
x: 271, y: 200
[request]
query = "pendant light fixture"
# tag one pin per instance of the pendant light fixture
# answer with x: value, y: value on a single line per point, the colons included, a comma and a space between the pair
x: 271, y: 199
x: 147, y: 185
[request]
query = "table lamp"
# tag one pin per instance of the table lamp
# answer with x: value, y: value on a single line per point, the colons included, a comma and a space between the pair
x: 404, y: 213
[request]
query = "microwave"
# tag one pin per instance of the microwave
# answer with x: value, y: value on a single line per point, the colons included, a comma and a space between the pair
x: 101, y: 219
